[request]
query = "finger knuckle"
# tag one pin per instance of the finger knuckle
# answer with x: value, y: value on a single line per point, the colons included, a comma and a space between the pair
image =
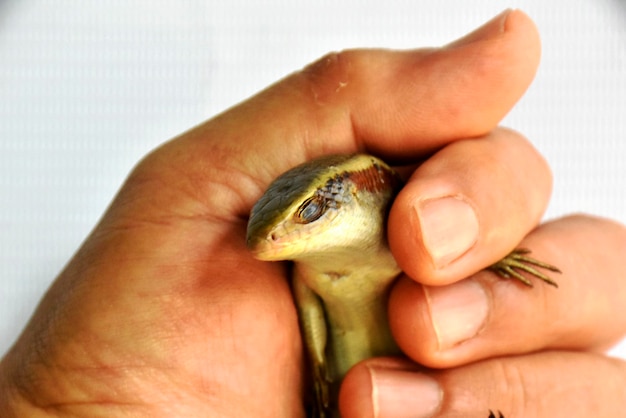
x: 515, y: 383
x: 329, y: 75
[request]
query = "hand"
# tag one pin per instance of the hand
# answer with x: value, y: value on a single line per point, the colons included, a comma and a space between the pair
x: 162, y: 312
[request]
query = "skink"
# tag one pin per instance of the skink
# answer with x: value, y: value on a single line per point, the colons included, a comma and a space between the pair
x: 329, y: 216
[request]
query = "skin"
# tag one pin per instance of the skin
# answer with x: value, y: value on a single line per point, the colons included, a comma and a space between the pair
x: 163, y: 312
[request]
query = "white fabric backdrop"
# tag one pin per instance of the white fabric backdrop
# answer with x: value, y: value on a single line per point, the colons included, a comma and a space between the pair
x: 87, y: 88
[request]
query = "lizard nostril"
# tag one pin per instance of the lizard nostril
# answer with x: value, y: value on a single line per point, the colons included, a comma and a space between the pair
x: 273, y: 236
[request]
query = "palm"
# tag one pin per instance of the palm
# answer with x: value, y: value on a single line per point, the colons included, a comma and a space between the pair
x: 176, y: 316
x: 220, y: 328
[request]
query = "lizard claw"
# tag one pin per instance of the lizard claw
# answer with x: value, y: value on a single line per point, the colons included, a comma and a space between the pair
x: 511, y: 265
x: 321, y: 388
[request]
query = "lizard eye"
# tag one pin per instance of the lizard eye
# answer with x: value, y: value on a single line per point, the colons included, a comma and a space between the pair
x: 311, y: 210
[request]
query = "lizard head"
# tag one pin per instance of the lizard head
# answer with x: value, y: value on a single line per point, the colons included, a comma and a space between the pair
x: 335, y: 204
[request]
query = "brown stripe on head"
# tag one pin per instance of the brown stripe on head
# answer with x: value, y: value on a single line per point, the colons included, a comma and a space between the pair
x: 376, y: 178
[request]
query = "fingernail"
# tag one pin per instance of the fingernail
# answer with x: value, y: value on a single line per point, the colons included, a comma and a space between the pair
x: 404, y: 394
x: 492, y: 28
x: 449, y: 228
x: 458, y: 311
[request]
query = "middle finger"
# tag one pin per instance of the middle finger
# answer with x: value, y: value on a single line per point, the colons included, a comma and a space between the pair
x: 485, y: 316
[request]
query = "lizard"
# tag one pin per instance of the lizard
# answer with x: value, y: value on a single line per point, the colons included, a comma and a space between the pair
x: 328, y: 216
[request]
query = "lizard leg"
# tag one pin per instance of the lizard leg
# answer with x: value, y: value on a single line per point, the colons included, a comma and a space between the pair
x: 315, y: 334
x: 518, y: 260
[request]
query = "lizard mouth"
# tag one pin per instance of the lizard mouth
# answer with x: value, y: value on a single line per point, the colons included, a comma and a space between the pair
x: 281, y: 244
x: 265, y: 250
x: 270, y: 247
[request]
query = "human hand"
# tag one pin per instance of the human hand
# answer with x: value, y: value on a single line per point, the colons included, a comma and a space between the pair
x: 163, y: 312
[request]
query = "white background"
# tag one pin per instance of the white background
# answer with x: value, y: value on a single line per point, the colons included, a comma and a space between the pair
x: 87, y: 88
